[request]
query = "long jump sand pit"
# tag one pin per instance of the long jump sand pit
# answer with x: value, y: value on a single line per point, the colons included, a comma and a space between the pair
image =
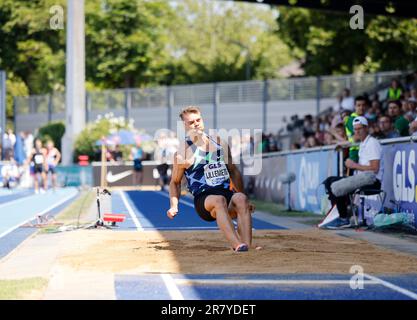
x: 206, y: 252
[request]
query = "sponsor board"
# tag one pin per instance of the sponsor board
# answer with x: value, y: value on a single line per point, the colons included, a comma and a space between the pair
x: 400, y: 179
x: 311, y: 169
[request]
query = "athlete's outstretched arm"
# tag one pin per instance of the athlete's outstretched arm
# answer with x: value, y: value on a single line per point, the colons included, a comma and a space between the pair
x: 175, y: 186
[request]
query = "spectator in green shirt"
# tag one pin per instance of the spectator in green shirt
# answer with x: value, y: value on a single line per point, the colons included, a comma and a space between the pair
x: 400, y: 123
x: 394, y: 91
x: 361, y: 105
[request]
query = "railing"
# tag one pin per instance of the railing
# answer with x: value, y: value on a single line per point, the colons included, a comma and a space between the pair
x: 128, y: 102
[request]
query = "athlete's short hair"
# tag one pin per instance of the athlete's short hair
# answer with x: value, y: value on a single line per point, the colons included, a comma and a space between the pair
x: 189, y: 109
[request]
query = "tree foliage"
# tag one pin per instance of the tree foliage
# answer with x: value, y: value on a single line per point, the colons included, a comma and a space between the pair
x: 327, y: 44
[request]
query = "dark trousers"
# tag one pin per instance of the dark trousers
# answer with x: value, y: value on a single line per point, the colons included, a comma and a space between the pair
x: 342, y: 202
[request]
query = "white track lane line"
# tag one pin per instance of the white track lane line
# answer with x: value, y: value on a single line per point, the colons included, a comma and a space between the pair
x: 192, y: 206
x: 39, y: 214
x: 173, y: 290
x: 131, y: 211
x: 394, y: 287
x: 267, y: 282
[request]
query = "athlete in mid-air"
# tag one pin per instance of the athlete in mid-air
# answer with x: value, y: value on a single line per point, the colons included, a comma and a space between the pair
x: 207, y: 165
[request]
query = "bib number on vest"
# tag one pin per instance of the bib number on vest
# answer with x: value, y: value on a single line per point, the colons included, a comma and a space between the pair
x: 38, y: 159
x: 216, y: 173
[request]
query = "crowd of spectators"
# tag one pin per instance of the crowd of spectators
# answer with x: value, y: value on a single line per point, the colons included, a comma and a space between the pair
x: 391, y: 116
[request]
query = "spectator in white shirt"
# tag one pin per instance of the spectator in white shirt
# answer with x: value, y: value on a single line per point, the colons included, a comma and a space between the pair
x: 370, y: 155
x: 370, y: 151
x: 348, y: 102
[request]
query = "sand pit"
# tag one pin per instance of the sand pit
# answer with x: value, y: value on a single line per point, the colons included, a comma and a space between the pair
x: 206, y: 252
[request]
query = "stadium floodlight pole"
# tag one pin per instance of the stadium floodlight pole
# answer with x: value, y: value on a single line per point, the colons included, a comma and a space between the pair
x: 74, y: 78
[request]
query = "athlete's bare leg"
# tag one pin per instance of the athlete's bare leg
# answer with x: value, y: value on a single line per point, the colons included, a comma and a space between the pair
x: 44, y: 180
x: 239, y: 208
x: 217, y: 206
x: 36, y: 182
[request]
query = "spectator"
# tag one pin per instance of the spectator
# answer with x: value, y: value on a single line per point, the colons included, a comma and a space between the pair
x: 117, y: 154
x: 162, y: 169
x: 413, y: 127
x: 9, y: 140
x: 377, y: 108
x: 338, y: 134
x: 295, y: 146
x: 347, y: 102
x: 137, y: 155
x: 370, y: 154
x: 308, y: 124
x: 10, y: 172
x: 311, y: 142
x: 400, y: 123
x: 394, y: 91
x: 360, y: 110
x: 413, y: 94
x: 387, y: 130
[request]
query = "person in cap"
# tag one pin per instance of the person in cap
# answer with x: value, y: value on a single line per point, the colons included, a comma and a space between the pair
x: 370, y: 156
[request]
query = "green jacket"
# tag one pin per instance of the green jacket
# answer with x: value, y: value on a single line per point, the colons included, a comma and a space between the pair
x: 394, y: 94
x: 353, y: 151
x: 402, y: 125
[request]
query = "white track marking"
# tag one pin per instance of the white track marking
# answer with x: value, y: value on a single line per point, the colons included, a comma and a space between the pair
x: 173, y: 290
x: 394, y: 287
x: 39, y: 214
x: 192, y: 206
x: 131, y: 211
x: 266, y: 282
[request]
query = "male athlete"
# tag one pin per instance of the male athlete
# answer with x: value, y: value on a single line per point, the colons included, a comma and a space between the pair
x: 208, y: 171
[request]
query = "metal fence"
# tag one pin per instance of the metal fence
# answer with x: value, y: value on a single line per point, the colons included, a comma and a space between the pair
x: 257, y: 96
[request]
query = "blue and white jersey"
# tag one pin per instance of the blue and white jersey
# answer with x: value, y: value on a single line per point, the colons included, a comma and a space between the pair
x: 208, y: 170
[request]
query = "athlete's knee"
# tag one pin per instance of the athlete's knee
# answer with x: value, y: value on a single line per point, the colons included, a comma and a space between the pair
x: 219, y: 202
x: 240, y: 201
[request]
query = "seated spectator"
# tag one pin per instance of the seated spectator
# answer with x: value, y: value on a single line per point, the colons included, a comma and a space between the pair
x: 413, y: 94
x: 10, y: 173
x: 387, y: 130
x: 370, y: 155
x: 338, y: 134
x: 394, y: 91
x: 377, y: 108
x: 347, y: 101
x: 411, y: 109
x: 413, y: 127
x: 311, y: 142
x: 308, y: 124
x: 371, y: 115
x: 401, y: 124
x: 295, y: 146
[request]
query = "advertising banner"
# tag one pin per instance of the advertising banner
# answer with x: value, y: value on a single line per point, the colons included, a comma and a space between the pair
x: 399, y: 179
x: 267, y: 185
x: 310, y: 169
x: 121, y: 175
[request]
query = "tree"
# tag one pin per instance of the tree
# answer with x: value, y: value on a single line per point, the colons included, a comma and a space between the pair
x: 223, y: 41
x: 327, y: 44
x: 30, y: 49
x: 125, y: 42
